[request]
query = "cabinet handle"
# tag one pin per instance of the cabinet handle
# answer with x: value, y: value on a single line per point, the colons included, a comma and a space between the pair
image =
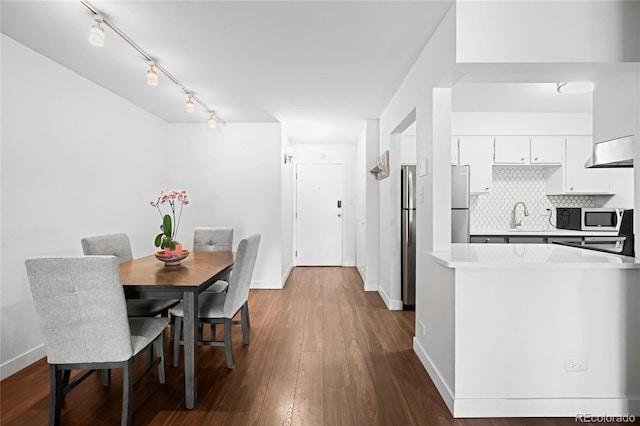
x: 487, y: 188
x: 536, y: 158
x: 487, y: 241
x: 522, y: 159
x: 571, y: 189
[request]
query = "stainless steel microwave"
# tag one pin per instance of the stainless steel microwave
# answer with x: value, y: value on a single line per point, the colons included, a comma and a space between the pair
x: 589, y: 218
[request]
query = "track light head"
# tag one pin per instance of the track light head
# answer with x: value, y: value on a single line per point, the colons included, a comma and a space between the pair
x: 96, y: 33
x: 212, y: 121
x: 190, y: 105
x: 152, y: 77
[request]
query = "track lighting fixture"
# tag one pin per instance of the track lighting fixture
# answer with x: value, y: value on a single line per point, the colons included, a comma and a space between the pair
x: 96, y: 33
x: 190, y: 105
x: 152, y: 77
x: 96, y: 37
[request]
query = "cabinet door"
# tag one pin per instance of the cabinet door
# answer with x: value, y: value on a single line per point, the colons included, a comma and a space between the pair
x: 578, y: 179
x: 477, y: 152
x: 527, y: 240
x: 547, y: 149
x: 454, y: 151
x: 480, y: 239
x: 511, y: 150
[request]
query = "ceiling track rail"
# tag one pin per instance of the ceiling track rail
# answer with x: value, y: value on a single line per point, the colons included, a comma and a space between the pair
x: 149, y: 59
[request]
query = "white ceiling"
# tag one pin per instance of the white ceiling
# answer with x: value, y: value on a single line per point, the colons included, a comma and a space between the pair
x: 320, y: 67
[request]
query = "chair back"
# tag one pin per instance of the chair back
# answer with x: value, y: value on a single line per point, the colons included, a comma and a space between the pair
x: 81, y: 306
x: 238, y: 291
x: 117, y: 245
x: 212, y: 239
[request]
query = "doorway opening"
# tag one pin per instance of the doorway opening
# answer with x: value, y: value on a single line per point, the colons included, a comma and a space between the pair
x: 405, y: 204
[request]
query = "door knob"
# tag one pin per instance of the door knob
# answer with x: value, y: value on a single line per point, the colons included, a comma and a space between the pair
x: 339, y: 215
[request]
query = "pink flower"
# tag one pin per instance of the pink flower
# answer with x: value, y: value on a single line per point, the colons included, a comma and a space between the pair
x: 170, y: 198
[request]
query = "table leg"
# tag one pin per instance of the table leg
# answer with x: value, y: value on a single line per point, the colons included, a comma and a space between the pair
x: 190, y: 303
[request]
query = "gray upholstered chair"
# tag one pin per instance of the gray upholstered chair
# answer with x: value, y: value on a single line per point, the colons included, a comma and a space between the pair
x: 83, y: 317
x: 214, y: 239
x: 220, y: 308
x: 118, y: 245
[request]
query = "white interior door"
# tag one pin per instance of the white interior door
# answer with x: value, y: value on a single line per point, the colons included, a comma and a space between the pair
x: 319, y: 214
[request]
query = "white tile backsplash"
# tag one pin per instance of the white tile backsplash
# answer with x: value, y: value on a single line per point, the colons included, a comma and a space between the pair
x: 492, y: 211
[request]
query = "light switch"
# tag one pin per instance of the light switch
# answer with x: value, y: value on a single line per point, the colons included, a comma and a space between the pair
x: 422, y: 168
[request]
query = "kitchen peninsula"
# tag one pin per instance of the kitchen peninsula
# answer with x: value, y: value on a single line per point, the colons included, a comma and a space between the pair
x: 536, y: 330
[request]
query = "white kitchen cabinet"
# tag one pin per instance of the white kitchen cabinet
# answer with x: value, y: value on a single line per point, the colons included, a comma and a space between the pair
x: 529, y: 150
x: 477, y: 152
x: 511, y: 150
x: 547, y: 150
x: 573, y: 177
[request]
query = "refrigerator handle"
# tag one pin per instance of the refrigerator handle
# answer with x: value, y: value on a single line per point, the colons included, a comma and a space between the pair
x: 411, y: 194
x: 410, y: 213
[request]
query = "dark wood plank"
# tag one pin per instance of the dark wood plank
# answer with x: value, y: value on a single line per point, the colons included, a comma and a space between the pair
x: 322, y: 352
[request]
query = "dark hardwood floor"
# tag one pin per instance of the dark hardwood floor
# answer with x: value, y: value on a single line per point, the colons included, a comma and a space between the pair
x: 322, y: 352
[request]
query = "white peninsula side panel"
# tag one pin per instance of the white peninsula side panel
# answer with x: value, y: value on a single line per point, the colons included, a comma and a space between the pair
x: 531, y: 330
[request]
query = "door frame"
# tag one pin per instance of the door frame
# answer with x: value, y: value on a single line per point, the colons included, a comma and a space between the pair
x: 295, y: 205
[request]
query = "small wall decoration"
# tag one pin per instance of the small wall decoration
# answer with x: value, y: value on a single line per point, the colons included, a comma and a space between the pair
x: 381, y: 169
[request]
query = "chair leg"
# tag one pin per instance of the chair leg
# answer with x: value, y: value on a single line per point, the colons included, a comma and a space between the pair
x: 106, y: 377
x: 244, y: 322
x: 200, y: 331
x: 227, y: 342
x: 159, y: 343
x: 246, y: 309
x: 177, y: 334
x: 66, y: 376
x: 127, y: 392
x: 149, y: 356
x: 55, y: 395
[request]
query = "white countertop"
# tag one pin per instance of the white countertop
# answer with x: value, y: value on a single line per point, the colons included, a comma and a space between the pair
x: 545, y: 233
x: 517, y: 255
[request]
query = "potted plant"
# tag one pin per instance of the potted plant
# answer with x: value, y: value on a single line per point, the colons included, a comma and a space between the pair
x: 167, y: 238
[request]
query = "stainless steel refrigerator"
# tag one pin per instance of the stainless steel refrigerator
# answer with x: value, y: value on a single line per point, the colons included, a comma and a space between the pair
x: 408, y: 178
x: 460, y: 204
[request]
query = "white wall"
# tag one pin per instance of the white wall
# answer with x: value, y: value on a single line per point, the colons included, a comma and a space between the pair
x: 416, y: 92
x: 286, y: 209
x: 233, y: 176
x: 538, y: 31
x: 519, y: 123
x: 408, y: 149
x: 367, y: 205
x: 615, y: 114
x: 344, y: 154
x: 615, y: 100
x: 77, y: 160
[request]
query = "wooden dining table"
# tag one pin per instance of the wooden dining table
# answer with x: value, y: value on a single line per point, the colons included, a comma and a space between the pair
x: 149, y: 278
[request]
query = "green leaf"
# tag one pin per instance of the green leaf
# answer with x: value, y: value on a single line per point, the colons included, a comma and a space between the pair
x: 158, y: 240
x: 166, y: 225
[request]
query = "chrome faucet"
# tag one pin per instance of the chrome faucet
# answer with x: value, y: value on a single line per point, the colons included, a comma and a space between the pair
x: 514, y: 224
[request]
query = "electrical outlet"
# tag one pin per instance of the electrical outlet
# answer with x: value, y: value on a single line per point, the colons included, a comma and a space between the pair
x: 575, y: 365
x: 424, y: 329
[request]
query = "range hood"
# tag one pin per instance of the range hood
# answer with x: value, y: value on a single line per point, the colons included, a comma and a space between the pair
x: 612, y: 153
